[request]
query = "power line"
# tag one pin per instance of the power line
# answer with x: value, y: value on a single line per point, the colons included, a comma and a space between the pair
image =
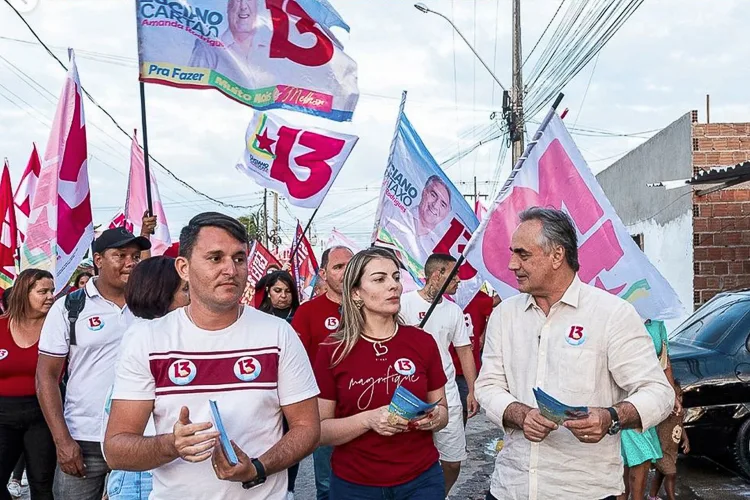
x: 116, y: 123
x: 543, y: 33
x: 586, y: 92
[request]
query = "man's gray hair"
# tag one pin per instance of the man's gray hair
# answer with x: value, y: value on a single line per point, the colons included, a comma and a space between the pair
x: 558, y: 229
x: 436, y: 179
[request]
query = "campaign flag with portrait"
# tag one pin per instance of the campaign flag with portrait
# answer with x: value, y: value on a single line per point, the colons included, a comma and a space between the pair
x: 267, y: 54
x: 299, y: 163
x: 421, y: 212
x: 555, y: 175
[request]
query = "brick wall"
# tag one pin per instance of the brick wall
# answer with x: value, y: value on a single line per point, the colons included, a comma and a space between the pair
x: 721, y: 220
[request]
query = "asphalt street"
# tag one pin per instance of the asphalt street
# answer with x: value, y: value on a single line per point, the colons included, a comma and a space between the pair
x: 699, y: 478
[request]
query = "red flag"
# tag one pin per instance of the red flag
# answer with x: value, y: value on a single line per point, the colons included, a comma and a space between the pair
x: 61, y: 226
x: 119, y: 220
x: 9, y: 231
x: 25, y: 192
x: 304, y: 265
x: 259, y: 261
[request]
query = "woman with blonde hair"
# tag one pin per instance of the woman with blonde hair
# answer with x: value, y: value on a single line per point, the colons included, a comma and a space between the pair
x: 376, y: 453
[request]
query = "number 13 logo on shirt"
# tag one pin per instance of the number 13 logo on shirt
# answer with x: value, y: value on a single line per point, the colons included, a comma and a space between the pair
x: 247, y: 369
x: 405, y: 367
x: 576, y: 336
x: 182, y: 372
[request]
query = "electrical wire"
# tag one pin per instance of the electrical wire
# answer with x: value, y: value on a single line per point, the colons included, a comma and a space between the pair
x: 116, y: 123
x: 543, y: 33
x: 584, y: 30
x: 586, y: 92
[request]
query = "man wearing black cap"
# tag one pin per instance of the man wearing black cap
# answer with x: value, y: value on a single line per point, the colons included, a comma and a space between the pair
x: 90, y: 351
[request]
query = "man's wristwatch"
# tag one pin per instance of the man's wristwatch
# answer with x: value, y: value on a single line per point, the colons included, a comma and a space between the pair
x: 260, y: 475
x: 614, y: 427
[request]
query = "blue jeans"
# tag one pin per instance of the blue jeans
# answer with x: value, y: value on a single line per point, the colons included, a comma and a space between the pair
x: 322, y: 464
x: 429, y: 485
x: 125, y: 485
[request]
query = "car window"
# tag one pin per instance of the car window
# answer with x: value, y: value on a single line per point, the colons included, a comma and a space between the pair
x: 710, y: 326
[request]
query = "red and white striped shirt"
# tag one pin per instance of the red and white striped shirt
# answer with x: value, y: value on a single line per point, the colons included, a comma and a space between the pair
x: 252, y: 369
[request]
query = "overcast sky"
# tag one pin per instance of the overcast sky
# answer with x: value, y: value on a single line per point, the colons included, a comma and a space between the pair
x: 660, y: 65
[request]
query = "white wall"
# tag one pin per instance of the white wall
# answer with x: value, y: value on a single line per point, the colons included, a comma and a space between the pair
x: 669, y: 247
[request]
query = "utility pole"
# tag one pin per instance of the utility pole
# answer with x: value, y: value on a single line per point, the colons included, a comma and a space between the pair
x: 517, y: 88
x: 276, y: 221
x: 476, y: 194
x: 265, y: 218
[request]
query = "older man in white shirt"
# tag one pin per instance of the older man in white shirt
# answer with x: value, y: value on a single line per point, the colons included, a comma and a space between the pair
x: 581, y: 345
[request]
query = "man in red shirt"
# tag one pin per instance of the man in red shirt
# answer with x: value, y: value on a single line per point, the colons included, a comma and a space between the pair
x: 314, y: 321
x: 477, y: 312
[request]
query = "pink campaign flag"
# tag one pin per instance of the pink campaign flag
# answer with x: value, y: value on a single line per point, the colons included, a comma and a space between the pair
x: 25, y: 192
x: 479, y: 210
x: 61, y: 228
x: 8, y: 231
x: 555, y: 175
x: 136, y: 203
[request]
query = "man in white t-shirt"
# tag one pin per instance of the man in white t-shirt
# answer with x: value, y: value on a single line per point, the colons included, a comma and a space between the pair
x: 448, y: 326
x: 252, y: 364
x: 90, y: 351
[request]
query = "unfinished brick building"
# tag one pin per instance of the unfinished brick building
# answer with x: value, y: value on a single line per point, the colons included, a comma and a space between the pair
x: 697, y: 235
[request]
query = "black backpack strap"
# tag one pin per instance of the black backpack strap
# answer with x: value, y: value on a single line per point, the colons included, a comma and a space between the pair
x: 74, y: 303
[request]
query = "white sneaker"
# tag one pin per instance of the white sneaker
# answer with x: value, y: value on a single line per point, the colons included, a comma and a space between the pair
x: 14, y: 488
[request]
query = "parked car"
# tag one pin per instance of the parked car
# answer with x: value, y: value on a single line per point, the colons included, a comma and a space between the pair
x: 710, y: 354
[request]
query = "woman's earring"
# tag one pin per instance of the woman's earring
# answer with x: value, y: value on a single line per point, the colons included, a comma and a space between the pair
x: 358, y: 303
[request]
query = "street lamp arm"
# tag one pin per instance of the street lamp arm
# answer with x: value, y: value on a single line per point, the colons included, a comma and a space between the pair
x: 423, y: 8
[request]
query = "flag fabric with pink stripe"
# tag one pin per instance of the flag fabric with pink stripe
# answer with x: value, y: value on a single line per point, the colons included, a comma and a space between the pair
x: 61, y: 228
x: 8, y: 232
x: 136, y: 204
x: 25, y: 192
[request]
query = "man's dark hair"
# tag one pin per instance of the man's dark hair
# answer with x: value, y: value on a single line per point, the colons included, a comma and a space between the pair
x: 151, y: 287
x: 189, y: 233
x: 436, y: 261
x: 558, y: 229
x: 327, y: 254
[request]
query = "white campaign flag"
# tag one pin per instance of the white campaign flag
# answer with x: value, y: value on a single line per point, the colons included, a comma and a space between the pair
x: 556, y: 175
x: 267, y: 54
x: 421, y: 212
x: 299, y: 163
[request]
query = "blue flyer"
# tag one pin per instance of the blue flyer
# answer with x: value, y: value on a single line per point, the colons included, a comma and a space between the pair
x: 407, y: 405
x: 226, y: 445
x: 558, y: 412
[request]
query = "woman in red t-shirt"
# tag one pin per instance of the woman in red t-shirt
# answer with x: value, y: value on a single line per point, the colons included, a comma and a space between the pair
x: 22, y: 425
x: 378, y: 454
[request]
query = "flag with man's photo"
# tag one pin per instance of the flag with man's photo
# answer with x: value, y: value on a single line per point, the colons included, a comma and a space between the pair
x: 266, y: 54
x: 421, y: 212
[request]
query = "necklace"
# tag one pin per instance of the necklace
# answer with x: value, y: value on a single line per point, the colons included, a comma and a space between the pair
x: 377, y: 344
x: 187, y: 313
